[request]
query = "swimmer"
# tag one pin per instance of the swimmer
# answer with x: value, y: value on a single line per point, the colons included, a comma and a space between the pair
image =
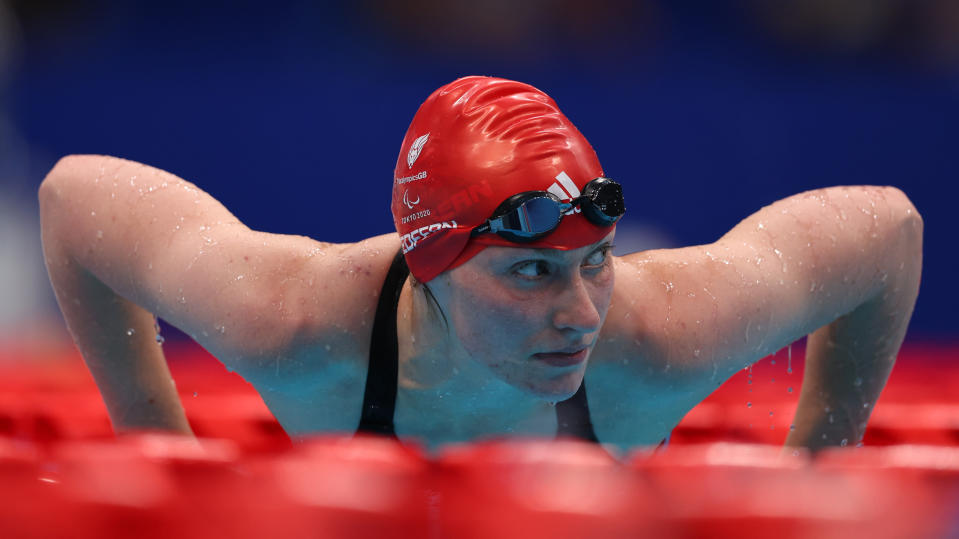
x: 496, y: 298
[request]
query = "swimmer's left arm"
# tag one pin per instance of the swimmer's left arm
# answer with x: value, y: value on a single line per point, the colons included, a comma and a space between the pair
x: 854, y: 256
x: 840, y: 264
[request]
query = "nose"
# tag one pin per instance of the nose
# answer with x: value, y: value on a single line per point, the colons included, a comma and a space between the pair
x: 575, y: 309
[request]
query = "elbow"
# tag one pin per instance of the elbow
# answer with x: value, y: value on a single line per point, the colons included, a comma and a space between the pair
x: 899, y: 202
x: 51, y: 188
x: 909, y: 223
x: 62, y: 177
x: 905, y: 252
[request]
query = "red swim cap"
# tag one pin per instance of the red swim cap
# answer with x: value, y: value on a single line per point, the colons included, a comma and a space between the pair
x: 474, y: 143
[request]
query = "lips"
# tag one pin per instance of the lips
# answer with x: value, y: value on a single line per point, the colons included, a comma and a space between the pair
x: 563, y: 358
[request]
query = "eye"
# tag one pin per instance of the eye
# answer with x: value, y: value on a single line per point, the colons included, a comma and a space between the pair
x: 599, y: 256
x: 532, y: 269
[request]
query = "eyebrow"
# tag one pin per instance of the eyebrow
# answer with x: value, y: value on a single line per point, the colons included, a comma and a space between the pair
x: 548, y: 252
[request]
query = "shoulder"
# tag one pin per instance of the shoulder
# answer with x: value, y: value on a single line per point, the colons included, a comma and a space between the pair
x: 345, y: 289
x: 326, y: 298
x: 660, y: 298
x: 690, y: 317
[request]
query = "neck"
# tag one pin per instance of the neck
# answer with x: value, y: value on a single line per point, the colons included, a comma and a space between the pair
x: 461, y: 397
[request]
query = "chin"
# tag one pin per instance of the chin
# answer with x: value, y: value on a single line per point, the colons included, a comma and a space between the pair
x: 555, y: 389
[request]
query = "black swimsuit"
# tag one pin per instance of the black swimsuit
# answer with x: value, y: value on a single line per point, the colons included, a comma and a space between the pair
x: 379, y: 400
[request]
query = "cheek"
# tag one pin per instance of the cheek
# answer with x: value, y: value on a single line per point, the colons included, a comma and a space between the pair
x: 489, y: 321
x: 604, y: 298
x: 602, y: 292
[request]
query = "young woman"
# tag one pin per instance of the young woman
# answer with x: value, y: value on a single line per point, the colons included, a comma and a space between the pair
x: 511, y: 302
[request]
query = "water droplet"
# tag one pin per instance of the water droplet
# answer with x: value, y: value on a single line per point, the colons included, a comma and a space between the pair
x: 789, y: 390
x: 156, y: 329
x: 831, y: 419
x: 130, y: 332
x: 857, y: 382
x: 843, y: 442
x: 749, y: 405
x: 770, y: 414
x: 792, y: 427
x: 796, y: 453
x: 326, y: 347
x: 860, y: 444
x: 194, y: 393
x: 773, y: 361
x: 865, y: 405
x: 823, y: 436
x: 696, y: 352
x: 99, y: 234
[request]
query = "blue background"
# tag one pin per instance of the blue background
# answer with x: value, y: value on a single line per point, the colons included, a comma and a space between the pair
x: 292, y: 113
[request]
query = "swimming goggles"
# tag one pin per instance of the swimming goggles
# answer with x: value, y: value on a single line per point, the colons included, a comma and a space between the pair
x: 531, y: 215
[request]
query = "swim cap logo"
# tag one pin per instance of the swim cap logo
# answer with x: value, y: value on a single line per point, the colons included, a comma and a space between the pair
x: 406, y: 200
x: 421, y: 175
x: 571, y: 191
x: 415, y: 149
x: 409, y: 241
x: 414, y: 216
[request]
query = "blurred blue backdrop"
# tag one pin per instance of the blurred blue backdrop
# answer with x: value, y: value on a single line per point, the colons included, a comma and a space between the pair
x: 292, y: 113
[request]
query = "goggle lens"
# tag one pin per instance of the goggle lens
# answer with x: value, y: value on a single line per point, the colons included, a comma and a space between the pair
x: 528, y: 216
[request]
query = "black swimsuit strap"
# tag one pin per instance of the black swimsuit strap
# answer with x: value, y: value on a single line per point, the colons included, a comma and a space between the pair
x: 382, y: 376
x: 572, y: 417
x: 379, y: 399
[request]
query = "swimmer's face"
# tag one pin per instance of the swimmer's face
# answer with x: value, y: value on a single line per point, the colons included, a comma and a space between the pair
x: 509, y: 308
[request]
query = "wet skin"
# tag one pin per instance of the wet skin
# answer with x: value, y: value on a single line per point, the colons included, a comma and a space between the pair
x: 518, y: 330
x: 508, y: 307
x: 293, y: 316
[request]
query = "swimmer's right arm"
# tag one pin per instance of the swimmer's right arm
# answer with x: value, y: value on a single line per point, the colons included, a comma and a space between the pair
x: 124, y: 242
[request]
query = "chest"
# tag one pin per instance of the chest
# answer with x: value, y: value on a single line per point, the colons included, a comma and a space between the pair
x: 624, y: 412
